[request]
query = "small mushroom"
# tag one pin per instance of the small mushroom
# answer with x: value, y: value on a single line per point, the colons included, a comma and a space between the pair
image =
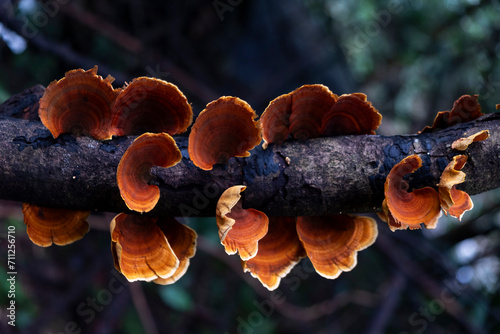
x: 239, y: 229
x: 225, y: 128
x: 279, y: 251
x: 46, y: 226
x: 352, y: 114
x: 141, y: 251
x: 275, y: 120
x: 80, y: 103
x: 454, y: 201
x: 150, y: 105
x: 182, y: 240
x: 410, y: 209
x: 310, y: 103
x: 133, y: 172
x: 299, y: 113
x: 463, y: 143
x: 332, y: 242
x: 465, y: 109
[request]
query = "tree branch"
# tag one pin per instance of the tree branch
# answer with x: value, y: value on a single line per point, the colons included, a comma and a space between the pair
x: 323, y: 176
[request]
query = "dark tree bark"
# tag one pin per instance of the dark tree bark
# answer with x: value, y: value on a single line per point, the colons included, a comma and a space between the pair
x: 315, y: 177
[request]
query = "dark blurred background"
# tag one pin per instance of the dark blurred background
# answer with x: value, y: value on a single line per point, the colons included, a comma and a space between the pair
x: 412, y: 58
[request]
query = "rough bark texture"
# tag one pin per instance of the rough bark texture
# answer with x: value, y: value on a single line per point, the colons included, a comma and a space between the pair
x: 315, y: 177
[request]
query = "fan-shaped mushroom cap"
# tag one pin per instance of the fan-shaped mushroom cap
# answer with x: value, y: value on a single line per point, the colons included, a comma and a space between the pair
x: 52, y: 225
x: 279, y: 251
x: 133, y: 172
x: 454, y: 201
x: 80, y: 103
x: 332, y: 242
x: 463, y: 143
x: 239, y: 229
x: 225, y: 129
x: 465, y: 109
x: 182, y: 239
x: 410, y: 209
x: 352, y: 114
x: 275, y: 120
x: 150, y: 105
x: 310, y: 103
x: 140, y: 249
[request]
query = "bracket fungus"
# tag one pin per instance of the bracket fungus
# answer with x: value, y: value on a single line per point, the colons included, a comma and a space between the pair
x: 239, y: 229
x: 150, y: 105
x: 352, y: 114
x: 224, y: 129
x: 312, y: 111
x: 463, y: 143
x: 409, y: 209
x: 299, y: 113
x: 182, y: 240
x: 141, y: 252
x: 47, y: 226
x: 80, y: 103
x: 279, y: 251
x: 332, y: 242
x: 133, y: 174
x: 465, y: 109
x: 310, y: 103
x: 454, y: 201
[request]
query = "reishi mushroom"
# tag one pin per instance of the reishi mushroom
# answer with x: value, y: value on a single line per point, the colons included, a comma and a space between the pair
x: 279, y: 251
x: 409, y: 209
x: 133, y: 172
x: 454, y: 201
x: 224, y: 129
x: 463, y: 143
x: 239, y: 229
x: 46, y: 226
x: 141, y: 252
x: 332, y: 242
x: 80, y: 103
x: 150, y: 105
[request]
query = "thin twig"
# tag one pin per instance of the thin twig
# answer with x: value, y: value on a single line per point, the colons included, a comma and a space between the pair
x: 142, y: 308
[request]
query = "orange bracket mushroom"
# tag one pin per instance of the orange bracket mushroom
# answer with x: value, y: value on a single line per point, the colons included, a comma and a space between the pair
x: 133, y: 172
x: 239, y: 229
x: 299, y: 113
x: 150, y: 105
x: 279, y: 251
x: 80, y: 103
x: 310, y: 103
x: 224, y: 129
x: 352, y: 114
x: 182, y: 239
x: 409, y: 209
x: 454, y: 201
x: 141, y: 252
x: 46, y: 226
x: 463, y: 143
x: 465, y: 109
x: 332, y: 242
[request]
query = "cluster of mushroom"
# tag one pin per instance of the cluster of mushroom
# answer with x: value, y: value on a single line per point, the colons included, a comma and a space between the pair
x: 159, y: 249
x: 83, y: 103
x: 402, y: 209
x: 271, y: 247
